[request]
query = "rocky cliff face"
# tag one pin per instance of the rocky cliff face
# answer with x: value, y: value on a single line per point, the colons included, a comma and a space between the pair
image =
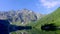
x: 22, y: 16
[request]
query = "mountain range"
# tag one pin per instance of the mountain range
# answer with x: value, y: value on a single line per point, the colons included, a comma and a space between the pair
x: 18, y: 17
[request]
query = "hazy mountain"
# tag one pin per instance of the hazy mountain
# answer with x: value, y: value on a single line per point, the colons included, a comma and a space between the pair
x: 21, y: 16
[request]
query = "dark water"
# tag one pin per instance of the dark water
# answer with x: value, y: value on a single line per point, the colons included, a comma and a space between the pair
x: 6, y: 27
x: 14, y: 28
x: 49, y: 27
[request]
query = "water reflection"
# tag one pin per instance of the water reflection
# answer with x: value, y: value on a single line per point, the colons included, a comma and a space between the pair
x: 49, y: 27
x: 6, y: 27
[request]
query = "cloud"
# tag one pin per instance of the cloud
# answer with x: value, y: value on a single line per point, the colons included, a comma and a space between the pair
x: 47, y: 6
x: 50, y: 3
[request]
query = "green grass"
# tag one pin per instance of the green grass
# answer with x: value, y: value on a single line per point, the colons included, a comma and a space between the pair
x: 50, y: 18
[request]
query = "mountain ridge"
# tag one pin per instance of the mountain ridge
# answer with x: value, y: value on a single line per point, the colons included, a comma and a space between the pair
x: 23, y: 16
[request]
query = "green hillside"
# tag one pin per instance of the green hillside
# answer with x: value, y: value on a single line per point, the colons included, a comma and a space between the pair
x: 50, y: 18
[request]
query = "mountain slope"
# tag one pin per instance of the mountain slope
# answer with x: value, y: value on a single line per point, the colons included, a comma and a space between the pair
x: 50, y: 18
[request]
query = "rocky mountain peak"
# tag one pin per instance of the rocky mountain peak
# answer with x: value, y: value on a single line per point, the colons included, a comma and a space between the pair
x: 21, y: 16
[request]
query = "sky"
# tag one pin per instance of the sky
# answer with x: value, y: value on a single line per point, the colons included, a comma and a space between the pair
x: 38, y: 6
